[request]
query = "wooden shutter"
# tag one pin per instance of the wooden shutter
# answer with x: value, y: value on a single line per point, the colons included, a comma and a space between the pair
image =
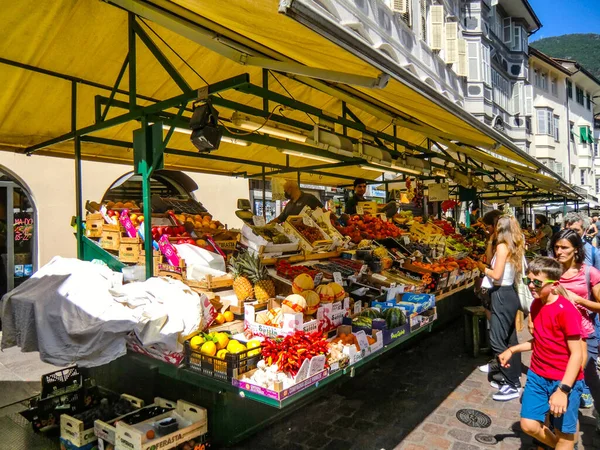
x: 451, y: 42
x: 528, y: 109
x: 461, y: 47
x: 400, y: 6
x: 517, y: 94
x: 436, y: 18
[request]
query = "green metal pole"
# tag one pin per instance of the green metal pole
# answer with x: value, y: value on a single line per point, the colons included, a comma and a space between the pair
x: 264, y: 194
x: 78, y: 188
x: 146, y: 172
x: 265, y: 81
x: 132, y: 65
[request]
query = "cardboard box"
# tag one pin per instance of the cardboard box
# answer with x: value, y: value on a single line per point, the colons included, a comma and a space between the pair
x: 422, y: 320
x: 176, y: 272
x: 129, y: 250
x: 291, y: 322
x: 93, y: 225
x: 111, y: 237
x: 67, y: 445
x: 73, y: 430
x: 192, y: 420
x: 283, y: 394
x: 157, y: 256
x: 324, y: 244
x: 107, y: 431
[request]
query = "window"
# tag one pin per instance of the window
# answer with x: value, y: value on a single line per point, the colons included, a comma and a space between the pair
x: 582, y: 176
x: 528, y: 125
x: 571, y: 126
x: 588, y: 101
x: 579, y: 95
x: 595, y: 149
x: 545, y: 120
x: 517, y: 42
x: 487, y: 68
x: 544, y: 79
x: 556, y: 128
x: 537, y: 78
x: 507, y: 31
x: 517, y: 98
x: 501, y: 90
x: 554, y: 86
x: 597, y: 185
x: 473, y: 54
x: 569, y: 89
x: 584, y: 135
x: 423, y: 5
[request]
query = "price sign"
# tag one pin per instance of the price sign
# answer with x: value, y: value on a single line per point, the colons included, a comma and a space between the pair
x: 317, y: 364
x: 379, y: 277
x: 259, y: 221
x: 361, y: 337
x: 337, y: 277
x: 318, y: 278
x: 438, y: 192
x: 359, y: 209
x: 304, y: 371
x: 357, y: 307
x: 406, y: 240
x: 347, y: 303
x: 364, y: 269
x: 327, y: 309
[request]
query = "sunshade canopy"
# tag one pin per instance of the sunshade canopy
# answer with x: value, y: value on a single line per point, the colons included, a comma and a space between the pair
x: 68, y: 54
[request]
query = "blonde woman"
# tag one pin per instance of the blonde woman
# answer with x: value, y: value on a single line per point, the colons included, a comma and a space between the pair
x: 506, y: 265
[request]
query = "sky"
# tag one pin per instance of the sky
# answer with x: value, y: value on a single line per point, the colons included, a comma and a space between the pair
x: 566, y: 17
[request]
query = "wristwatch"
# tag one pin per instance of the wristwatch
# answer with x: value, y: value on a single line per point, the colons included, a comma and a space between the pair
x: 565, y: 388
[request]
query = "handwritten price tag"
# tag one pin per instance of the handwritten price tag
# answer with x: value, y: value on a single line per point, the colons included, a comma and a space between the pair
x: 357, y: 307
x: 361, y: 337
x: 318, y: 278
x: 337, y: 277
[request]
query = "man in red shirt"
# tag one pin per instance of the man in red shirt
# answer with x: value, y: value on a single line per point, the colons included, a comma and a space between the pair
x: 554, y: 379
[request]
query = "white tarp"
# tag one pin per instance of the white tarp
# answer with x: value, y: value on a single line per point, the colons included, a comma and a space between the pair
x: 73, y: 311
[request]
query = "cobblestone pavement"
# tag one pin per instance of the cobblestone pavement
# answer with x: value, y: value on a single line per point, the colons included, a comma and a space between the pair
x: 409, y: 401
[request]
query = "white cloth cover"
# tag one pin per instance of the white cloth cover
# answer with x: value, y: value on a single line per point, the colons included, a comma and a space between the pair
x: 72, y: 311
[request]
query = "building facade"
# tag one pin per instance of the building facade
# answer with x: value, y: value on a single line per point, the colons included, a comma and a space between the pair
x: 563, y: 134
x: 497, y: 90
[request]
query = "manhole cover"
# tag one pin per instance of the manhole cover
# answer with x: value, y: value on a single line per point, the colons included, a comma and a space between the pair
x: 473, y: 418
x: 486, y: 439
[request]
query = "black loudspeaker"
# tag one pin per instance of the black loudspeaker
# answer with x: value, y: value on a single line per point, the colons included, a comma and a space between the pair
x: 206, y: 135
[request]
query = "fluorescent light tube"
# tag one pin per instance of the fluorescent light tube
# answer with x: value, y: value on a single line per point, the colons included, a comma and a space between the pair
x: 309, y: 156
x: 256, y: 125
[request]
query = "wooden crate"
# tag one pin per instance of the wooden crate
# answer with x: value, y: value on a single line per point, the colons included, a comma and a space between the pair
x: 176, y: 272
x: 111, y: 237
x: 211, y: 283
x: 319, y: 245
x: 129, y: 250
x: 156, y: 256
x: 93, y: 225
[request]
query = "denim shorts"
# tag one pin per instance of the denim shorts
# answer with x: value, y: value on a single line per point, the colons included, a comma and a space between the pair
x: 535, y: 400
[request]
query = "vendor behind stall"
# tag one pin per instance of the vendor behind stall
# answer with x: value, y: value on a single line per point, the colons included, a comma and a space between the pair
x: 543, y: 233
x: 360, y: 187
x: 297, y: 201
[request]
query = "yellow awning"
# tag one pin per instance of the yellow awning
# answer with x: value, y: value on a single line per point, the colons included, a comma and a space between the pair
x: 87, y: 42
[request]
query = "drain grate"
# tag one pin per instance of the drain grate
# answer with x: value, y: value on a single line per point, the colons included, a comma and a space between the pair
x: 473, y: 418
x: 484, y: 438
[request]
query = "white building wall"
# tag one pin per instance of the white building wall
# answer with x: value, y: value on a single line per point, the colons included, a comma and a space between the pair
x: 51, y: 183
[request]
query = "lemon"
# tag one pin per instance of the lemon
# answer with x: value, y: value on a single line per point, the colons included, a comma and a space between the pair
x: 254, y: 343
x: 232, y: 344
x: 209, y: 348
x: 228, y: 315
x: 238, y: 348
x: 220, y: 319
x: 221, y: 353
x: 222, y: 340
x: 196, y: 342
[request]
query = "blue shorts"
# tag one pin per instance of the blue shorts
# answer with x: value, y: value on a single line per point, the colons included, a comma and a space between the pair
x: 535, y: 403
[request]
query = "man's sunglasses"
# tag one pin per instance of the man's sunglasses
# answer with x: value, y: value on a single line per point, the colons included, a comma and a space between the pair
x: 537, y: 283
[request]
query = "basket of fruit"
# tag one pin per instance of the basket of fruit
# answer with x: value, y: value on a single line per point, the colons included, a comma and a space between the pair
x: 311, y: 237
x: 217, y: 356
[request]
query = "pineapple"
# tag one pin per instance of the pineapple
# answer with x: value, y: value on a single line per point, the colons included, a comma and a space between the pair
x: 241, y: 285
x: 264, y: 289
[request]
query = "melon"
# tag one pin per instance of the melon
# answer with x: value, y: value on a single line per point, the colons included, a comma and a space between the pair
x: 303, y: 282
x: 294, y: 303
x: 325, y: 293
x: 371, y: 313
x: 312, y: 302
x: 394, y: 318
x: 338, y: 291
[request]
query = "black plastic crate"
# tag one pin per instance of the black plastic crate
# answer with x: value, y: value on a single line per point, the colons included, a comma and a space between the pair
x: 62, y: 381
x: 226, y: 369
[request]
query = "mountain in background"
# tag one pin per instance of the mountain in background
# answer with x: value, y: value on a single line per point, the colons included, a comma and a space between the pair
x: 583, y: 48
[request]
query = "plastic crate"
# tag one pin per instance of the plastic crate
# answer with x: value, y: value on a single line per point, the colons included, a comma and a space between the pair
x: 226, y: 369
x: 62, y: 381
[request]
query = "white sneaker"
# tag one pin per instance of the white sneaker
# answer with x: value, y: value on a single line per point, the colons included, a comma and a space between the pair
x: 506, y: 393
x: 485, y: 368
x: 496, y: 385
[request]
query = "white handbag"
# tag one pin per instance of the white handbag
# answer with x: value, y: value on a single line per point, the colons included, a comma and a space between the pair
x: 525, y: 297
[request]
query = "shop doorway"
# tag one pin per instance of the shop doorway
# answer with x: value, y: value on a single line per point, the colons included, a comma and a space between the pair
x: 17, y: 235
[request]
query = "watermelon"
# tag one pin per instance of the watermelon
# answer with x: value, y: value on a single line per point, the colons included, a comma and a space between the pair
x: 372, y: 313
x: 362, y: 321
x: 394, y: 318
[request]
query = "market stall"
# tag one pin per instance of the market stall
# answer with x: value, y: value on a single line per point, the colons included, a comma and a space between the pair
x: 278, y: 312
